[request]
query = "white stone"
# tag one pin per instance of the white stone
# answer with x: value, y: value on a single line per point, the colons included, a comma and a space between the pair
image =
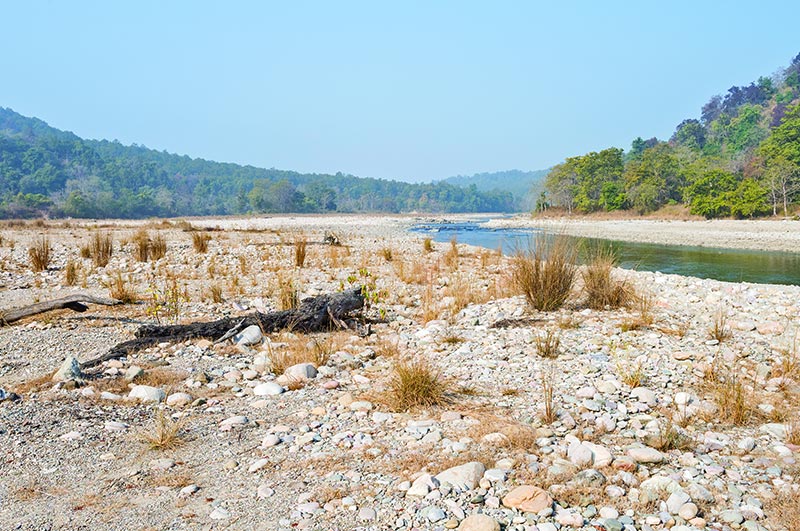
x: 268, y: 389
x: 147, y: 393
x: 179, y: 399
x: 463, y: 477
x: 249, y: 336
x: 301, y: 371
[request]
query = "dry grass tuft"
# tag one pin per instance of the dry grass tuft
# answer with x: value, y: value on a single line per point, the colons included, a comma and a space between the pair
x: 783, y: 512
x: 631, y: 374
x: 452, y: 255
x: 601, y: 289
x: 288, y: 293
x: 299, y: 350
x: 514, y: 434
x: 549, y: 412
x: 719, y: 329
x: 39, y: 253
x: 158, y: 247
x: 669, y: 437
x: 163, y: 433
x: 427, y: 245
x: 71, y: 272
x: 545, y: 272
x: 734, y: 399
x: 121, y: 288
x: 300, y: 252
x: 548, y: 344
x: 101, y: 247
x: 215, y: 292
x: 141, y: 246
x: 416, y: 383
x: 200, y: 242
x: 793, y: 431
x: 387, y: 254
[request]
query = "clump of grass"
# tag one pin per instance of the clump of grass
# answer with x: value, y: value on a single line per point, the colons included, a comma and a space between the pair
x: 71, y: 272
x: 727, y: 387
x: 669, y: 437
x: 300, y: 252
x: 40, y: 254
x: 793, y: 432
x: 85, y: 251
x: 514, y: 434
x: 452, y: 339
x: 427, y: 245
x: 120, y: 288
x: 163, y: 433
x: 463, y: 293
x: 141, y: 246
x: 549, y: 413
x: 545, y: 272
x: 299, y: 350
x: 548, y: 344
x: 643, y: 303
x: 288, y: 296
x: 101, y: 247
x: 719, y: 329
x: 386, y: 252
x: 601, y: 289
x: 200, y: 242
x: 631, y: 374
x: 158, y: 247
x: 783, y: 512
x: 215, y: 292
x: 416, y: 383
x: 452, y: 255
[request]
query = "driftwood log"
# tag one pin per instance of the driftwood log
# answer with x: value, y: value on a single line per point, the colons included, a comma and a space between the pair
x: 75, y: 303
x: 315, y: 314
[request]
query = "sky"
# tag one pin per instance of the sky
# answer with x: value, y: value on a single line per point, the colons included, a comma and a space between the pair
x: 412, y: 90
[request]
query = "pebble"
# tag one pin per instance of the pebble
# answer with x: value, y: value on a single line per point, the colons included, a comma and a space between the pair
x: 479, y: 522
x: 528, y: 498
x: 268, y: 389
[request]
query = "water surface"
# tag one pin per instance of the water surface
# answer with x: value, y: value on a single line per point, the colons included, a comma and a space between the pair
x: 732, y: 265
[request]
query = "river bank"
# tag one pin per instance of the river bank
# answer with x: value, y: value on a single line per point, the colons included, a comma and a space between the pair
x: 759, y: 235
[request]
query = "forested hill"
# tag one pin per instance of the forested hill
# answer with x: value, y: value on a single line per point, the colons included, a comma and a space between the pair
x: 523, y: 184
x: 46, y: 171
x: 741, y: 158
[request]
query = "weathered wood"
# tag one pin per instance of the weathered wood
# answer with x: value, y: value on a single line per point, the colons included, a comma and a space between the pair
x: 76, y: 303
x: 315, y: 314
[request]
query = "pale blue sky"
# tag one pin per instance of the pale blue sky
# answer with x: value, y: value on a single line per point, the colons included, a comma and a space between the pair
x: 408, y: 90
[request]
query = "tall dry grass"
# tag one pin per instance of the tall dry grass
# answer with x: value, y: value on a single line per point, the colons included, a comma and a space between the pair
x: 545, y: 272
x: 40, y: 254
x: 601, y: 289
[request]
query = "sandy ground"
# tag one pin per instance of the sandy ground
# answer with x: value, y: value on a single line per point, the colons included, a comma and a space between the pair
x: 765, y: 235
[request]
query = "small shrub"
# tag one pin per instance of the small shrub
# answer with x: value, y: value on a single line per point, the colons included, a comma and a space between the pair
x: 548, y: 344
x: 300, y: 251
x: 719, y: 327
x: 167, y: 300
x: 601, y: 289
x: 544, y: 273
x: 163, y: 433
x: 200, y: 241
x: 416, y: 383
x: 39, y: 253
x: 101, y: 247
x: 427, y: 245
x: 71, y: 272
x: 733, y: 398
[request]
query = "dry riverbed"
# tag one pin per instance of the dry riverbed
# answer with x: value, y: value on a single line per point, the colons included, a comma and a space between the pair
x: 654, y: 423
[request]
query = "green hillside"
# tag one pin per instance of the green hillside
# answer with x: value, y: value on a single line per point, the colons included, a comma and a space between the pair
x: 741, y: 158
x: 46, y: 171
x: 522, y: 184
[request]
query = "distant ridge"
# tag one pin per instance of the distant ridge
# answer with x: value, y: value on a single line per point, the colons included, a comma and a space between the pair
x: 524, y: 185
x: 45, y: 171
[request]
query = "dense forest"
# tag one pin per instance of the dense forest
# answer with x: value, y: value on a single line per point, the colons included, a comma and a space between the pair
x: 48, y: 172
x: 740, y: 159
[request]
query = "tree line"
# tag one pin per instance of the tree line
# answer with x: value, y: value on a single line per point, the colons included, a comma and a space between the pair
x: 48, y: 172
x: 740, y: 159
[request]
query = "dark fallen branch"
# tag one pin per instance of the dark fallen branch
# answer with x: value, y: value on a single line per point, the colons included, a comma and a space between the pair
x: 315, y: 314
x: 76, y: 303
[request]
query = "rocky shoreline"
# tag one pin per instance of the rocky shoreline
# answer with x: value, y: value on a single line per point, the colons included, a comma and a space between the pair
x: 642, y: 438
